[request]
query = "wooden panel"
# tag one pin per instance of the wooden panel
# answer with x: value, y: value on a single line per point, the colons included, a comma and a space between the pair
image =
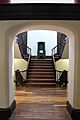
x: 38, y: 11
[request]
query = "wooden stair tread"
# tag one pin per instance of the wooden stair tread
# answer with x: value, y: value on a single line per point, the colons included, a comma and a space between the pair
x: 32, y: 79
x: 45, y: 59
x: 40, y: 64
x: 45, y: 75
x: 44, y: 70
x: 41, y: 72
x: 41, y: 67
x: 47, y: 72
x: 42, y: 77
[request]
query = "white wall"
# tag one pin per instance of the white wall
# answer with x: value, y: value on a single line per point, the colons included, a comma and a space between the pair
x: 49, y: 37
x: 65, y: 54
x: 20, y: 64
x: 62, y: 64
x: 17, y: 53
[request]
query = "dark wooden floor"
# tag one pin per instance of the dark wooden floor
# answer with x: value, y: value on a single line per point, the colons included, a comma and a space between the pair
x: 40, y: 103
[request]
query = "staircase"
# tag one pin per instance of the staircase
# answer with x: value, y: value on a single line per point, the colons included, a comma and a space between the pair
x: 41, y: 72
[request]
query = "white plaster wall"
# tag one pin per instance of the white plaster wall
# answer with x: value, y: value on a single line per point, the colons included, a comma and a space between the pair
x: 11, y: 71
x: 71, y: 71
x: 62, y: 64
x: 65, y: 54
x: 3, y: 77
x: 20, y: 64
x: 17, y: 53
x: 77, y: 71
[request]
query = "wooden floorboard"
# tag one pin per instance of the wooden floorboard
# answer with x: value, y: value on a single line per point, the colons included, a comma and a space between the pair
x: 40, y: 103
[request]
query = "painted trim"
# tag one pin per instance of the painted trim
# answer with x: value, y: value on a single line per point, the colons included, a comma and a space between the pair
x: 40, y: 11
x: 5, y: 113
x: 74, y: 113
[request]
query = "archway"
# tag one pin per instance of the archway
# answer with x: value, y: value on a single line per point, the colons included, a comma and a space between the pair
x: 57, y: 26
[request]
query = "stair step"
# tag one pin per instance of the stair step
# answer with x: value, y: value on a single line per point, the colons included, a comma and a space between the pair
x: 42, y: 84
x: 42, y: 64
x: 41, y: 73
x: 41, y: 67
x: 46, y: 57
x: 41, y: 76
x: 39, y: 61
x: 41, y: 70
x: 42, y: 80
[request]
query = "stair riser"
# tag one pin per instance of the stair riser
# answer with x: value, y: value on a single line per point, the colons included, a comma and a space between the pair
x: 40, y: 64
x: 41, y: 82
x: 41, y: 73
x: 41, y: 70
x: 41, y: 77
x: 40, y: 61
x: 40, y: 85
x: 41, y: 67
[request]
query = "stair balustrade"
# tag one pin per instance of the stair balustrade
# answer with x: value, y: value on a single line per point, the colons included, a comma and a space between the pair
x: 24, y: 50
x: 57, y: 55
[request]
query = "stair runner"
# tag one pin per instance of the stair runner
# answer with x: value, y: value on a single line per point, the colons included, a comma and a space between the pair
x: 41, y: 72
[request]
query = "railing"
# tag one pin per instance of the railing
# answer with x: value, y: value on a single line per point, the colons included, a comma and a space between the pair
x: 61, y: 78
x: 61, y: 46
x: 27, y: 57
x: 24, y: 49
x: 58, y: 74
x: 25, y: 52
x: 20, y: 78
x: 29, y: 50
x: 24, y: 74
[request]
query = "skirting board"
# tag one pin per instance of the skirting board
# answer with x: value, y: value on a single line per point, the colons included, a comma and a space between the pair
x: 74, y: 113
x: 5, y: 113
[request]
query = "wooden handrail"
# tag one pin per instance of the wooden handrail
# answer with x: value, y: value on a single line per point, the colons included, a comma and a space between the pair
x: 23, y: 71
x: 28, y: 47
x: 60, y: 44
x: 58, y: 71
x: 56, y: 46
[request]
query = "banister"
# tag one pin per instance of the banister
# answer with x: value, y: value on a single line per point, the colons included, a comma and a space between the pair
x: 28, y: 47
x: 65, y: 40
x: 58, y: 71
x: 23, y: 71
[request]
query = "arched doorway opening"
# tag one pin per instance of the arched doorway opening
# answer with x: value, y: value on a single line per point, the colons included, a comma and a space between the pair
x: 58, y: 27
